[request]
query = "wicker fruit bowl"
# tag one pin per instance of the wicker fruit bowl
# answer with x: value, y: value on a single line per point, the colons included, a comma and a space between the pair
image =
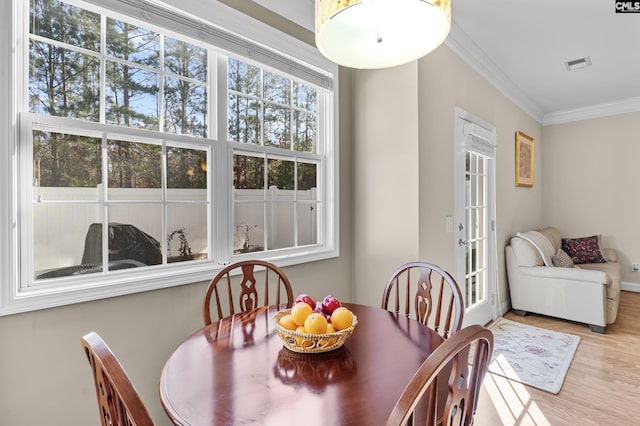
x: 311, y: 343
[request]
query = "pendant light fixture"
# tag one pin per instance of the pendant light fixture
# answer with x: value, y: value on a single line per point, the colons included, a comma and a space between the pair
x: 380, y: 33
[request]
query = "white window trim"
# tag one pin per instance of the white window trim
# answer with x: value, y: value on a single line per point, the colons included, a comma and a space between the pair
x: 14, y: 300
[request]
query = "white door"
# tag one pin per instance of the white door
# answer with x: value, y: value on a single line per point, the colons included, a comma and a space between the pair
x: 475, y: 216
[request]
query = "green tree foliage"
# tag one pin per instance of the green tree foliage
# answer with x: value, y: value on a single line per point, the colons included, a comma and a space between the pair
x: 263, y: 107
x: 131, y: 98
x: 243, y: 104
x: 248, y: 172
x: 64, y: 81
x: 186, y: 168
x: 185, y: 100
x: 64, y: 160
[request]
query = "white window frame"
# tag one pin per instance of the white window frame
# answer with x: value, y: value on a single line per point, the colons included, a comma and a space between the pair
x: 16, y: 298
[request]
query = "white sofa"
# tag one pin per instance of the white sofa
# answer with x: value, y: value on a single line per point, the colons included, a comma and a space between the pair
x: 587, y: 292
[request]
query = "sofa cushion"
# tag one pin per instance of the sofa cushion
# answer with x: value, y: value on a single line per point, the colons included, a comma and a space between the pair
x: 553, y: 235
x: 610, y: 254
x: 584, y: 250
x: 562, y: 259
x: 525, y: 253
x: 541, y: 243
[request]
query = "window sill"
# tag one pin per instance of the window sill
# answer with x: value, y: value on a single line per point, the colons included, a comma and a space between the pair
x: 62, y: 291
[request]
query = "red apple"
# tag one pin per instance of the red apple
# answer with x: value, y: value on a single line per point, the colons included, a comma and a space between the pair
x: 306, y: 299
x: 330, y: 304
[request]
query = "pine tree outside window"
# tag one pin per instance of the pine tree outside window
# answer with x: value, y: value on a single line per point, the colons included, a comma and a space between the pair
x: 138, y: 161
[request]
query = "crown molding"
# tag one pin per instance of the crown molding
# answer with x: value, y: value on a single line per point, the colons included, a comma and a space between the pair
x: 302, y: 13
x: 469, y: 52
x: 463, y: 46
x: 622, y: 106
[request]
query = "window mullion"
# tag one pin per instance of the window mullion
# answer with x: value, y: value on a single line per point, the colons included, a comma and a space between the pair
x: 222, y: 191
x: 103, y: 69
x: 134, y: 158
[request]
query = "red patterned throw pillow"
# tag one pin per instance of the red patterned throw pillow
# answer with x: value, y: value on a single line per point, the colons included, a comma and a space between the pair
x: 583, y: 250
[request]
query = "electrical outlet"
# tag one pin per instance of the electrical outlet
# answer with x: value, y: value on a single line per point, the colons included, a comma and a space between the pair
x: 635, y: 267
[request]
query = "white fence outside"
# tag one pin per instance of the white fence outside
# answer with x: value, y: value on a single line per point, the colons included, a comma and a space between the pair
x: 60, y: 229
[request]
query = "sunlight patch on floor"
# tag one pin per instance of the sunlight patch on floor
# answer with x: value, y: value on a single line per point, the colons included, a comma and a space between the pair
x: 512, y: 402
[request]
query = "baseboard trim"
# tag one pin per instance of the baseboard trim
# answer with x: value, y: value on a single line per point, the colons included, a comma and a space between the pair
x: 629, y: 286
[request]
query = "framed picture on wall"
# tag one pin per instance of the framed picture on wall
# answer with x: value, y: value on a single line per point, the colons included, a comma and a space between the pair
x: 524, y: 159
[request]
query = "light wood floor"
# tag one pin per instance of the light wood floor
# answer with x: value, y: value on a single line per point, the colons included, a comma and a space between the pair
x: 602, y: 386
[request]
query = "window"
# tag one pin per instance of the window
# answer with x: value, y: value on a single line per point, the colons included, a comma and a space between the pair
x: 151, y: 151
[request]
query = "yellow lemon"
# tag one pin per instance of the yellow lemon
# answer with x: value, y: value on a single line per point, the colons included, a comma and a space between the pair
x: 341, y: 318
x: 300, y: 312
x: 316, y: 323
x: 287, y: 322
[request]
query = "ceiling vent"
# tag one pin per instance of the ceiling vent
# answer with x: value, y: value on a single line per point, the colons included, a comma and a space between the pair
x: 576, y: 64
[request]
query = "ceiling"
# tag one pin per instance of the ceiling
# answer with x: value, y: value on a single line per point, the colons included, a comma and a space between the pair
x: 521, y: 47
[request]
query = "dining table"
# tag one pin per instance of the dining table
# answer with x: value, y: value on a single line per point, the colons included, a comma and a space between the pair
x: 236, y: 371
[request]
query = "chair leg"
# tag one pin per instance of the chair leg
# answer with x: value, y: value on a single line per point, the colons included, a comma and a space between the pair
x: 597, y: 328
x: 520, y: 312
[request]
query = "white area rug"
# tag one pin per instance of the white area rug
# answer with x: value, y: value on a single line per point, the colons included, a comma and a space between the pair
x: 531, y: 355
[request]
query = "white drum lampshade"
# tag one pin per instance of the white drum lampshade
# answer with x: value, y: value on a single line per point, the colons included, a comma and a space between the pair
x: 380, y: 33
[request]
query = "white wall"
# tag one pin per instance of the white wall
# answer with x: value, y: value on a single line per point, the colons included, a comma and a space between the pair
x: 399, y: 156
x: 447, y: 82
x: 386, y: 176
x: 44, y: 377
x: 404, y: 180
x: 591, y: 183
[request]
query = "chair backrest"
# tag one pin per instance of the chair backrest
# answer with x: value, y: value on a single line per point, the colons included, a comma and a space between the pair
x: 427, y: 293
x: 456, y: 406
x: 118, y: 401
x: 252, y: 278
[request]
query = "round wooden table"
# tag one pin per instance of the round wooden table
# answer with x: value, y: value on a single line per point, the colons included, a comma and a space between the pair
x: 236, y: 371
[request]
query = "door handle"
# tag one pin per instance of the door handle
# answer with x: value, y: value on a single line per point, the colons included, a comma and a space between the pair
x: 462, y: 243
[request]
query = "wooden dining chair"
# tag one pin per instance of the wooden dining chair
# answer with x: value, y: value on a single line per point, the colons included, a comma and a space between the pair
x: 258, y: 283
x: 426, y: 293
x: 456, y: 406
x: 118, y: 401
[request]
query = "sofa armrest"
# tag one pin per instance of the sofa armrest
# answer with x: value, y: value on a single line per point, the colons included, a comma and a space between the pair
x: 610, y: 254
x: 572, y: 274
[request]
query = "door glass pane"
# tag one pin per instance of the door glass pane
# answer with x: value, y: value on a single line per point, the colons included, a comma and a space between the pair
x: 476, y: 230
